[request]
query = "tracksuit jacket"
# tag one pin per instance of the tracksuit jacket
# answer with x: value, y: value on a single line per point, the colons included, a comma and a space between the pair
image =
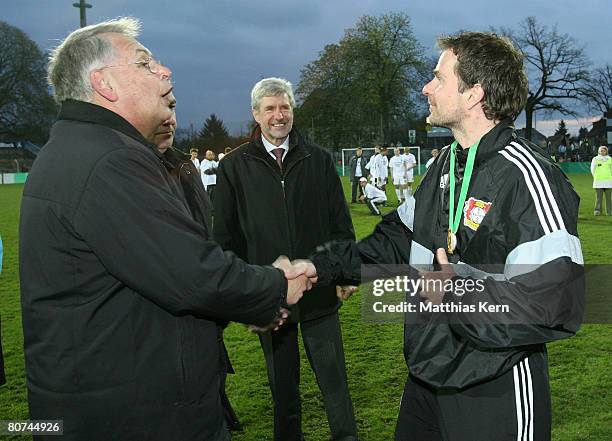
x: 518, y: 232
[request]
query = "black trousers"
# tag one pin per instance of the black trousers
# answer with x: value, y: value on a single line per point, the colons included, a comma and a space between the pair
x: 373, y: 204
x: 513, y: 407
x: 210, y: 189
x: 323, y: 344
x: 354, y: 189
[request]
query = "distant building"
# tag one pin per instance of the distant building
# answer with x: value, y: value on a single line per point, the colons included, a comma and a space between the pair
x: 536, y: 137
x: 17, y: 156
x: 597, y: 134
x: 438, y: 137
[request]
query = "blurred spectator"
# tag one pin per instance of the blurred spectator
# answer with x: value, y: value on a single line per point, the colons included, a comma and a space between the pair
x: 601, y: 169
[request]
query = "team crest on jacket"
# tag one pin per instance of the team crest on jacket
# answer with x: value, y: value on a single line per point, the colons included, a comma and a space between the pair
x: 474, y: 212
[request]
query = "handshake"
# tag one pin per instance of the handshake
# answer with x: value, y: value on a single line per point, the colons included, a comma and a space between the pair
x: 301, y: 275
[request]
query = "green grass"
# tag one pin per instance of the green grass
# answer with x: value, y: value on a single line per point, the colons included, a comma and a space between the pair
x: 580, y: 368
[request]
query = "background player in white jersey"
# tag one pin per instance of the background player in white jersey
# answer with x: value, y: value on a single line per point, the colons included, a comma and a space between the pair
x: 372, y: 167
x: 398, y: 172
x: 382, y: 163
x: 372, y: 196
x: 411, y: 163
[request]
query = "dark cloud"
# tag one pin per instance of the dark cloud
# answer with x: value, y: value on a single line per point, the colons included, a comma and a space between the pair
x: 219, y: 49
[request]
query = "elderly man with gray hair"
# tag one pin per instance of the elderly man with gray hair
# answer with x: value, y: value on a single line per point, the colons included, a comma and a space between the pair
x: 120, y: 285
x: 280, y: 194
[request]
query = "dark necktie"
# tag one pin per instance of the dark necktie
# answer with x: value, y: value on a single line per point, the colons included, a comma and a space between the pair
x: 278, y: 153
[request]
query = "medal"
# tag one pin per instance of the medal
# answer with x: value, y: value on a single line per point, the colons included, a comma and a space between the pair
x: 454, y: 215
x: 451, y: 240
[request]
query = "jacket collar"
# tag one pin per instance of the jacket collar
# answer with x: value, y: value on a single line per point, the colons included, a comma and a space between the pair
x: 295, y: 138
x: 73, y: 110
x: 495, y: 140
x: 297, y: 150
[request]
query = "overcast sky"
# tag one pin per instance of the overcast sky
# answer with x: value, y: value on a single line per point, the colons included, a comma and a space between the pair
x: 219, y: 49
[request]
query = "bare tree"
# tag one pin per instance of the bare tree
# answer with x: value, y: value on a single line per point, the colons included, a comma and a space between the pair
x: 598, y: 90
x: 556, y: 67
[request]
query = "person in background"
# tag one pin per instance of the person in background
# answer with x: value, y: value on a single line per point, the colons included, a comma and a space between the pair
x: 208, y: 170
x: 372, y: 165
x: 280, y: 194
x: 411, y: 163
x: 372, y: 196
x: 434, y: 155
x: 194, y: 159
x: 183, y: 169
x: 357, y: 170
x: 382, y: 166
x: 397, y: 164
x: 601, y: 169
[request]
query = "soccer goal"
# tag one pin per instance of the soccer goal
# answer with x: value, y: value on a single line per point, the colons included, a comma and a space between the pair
x: 347, y: 154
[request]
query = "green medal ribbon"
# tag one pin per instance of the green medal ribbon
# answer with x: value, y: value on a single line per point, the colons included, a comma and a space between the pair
x: 454, y: 216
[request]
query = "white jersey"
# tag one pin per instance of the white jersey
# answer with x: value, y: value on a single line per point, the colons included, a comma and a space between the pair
x: 411, y: 163
x: 208, y: 179
x: 398, y: 166
x: 196, y: 163
x: 374, y: 193
x: 382, y: 165
x: 371, y: 167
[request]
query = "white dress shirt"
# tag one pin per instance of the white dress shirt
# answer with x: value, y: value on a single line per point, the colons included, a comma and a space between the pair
x: 269, y: 146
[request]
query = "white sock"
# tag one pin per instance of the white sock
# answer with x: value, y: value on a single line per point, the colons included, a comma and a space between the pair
x: 399, y: 194
x: 407, y: 192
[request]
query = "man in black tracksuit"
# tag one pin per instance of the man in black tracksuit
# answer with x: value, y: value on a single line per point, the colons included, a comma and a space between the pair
x: 513, y: 228
x: 279, y: 194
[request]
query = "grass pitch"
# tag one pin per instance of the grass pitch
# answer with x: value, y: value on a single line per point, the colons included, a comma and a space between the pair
x: 580, y: 367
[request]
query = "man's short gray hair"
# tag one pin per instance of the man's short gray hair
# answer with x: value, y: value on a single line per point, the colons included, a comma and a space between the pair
x: 271, y: 87
x: 84, y: 50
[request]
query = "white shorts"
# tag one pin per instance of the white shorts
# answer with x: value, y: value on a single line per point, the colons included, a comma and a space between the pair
x: 399, y: 180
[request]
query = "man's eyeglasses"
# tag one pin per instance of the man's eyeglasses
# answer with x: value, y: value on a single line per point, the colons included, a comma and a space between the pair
x: 152, y: 65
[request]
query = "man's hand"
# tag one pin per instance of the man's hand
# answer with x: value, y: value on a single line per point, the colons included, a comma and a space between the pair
x: 307, y: 268
x: 434, y: 279
x: 300, y: 274
x: 441, y: 256
x: 280, y: 319
x: 346, y: 291
x: 290, y: 269
x: 296, y: 288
